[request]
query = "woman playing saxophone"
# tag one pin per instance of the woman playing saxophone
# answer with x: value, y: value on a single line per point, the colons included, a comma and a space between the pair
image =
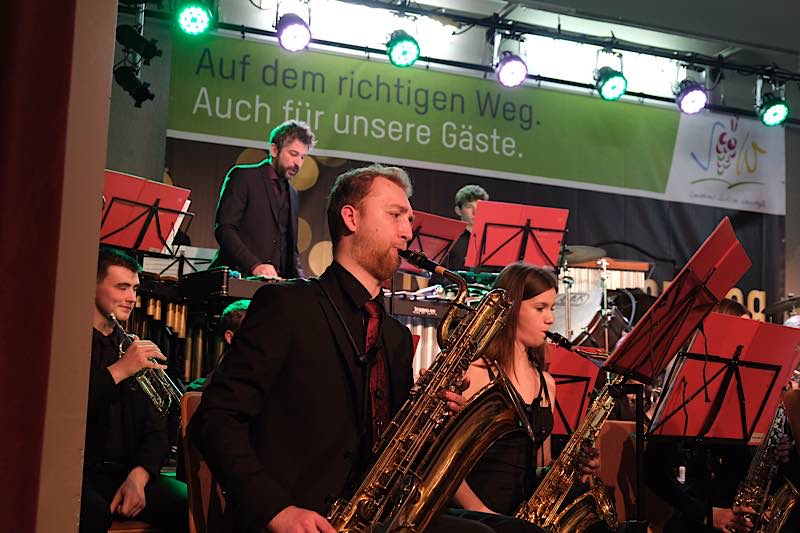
x: 507, y: 473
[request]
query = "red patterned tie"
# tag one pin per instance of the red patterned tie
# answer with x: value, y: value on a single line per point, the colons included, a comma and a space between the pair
x: 378, y: 384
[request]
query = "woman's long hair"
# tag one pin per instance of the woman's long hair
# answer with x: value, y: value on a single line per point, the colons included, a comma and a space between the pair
x: 523, y: 282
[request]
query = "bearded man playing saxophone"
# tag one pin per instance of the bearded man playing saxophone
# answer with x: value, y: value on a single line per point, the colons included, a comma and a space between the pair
x: 288, y: 420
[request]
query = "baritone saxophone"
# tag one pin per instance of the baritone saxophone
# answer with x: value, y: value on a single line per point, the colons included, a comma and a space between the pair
x: 424, y: 453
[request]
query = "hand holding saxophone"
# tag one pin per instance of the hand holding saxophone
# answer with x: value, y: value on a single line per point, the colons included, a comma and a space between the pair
x: 784, y: 449
x: 455, y: 399
x: 139, y: 355
x: 733, y: 520
x: 294, y: 519
x: 589, y: 460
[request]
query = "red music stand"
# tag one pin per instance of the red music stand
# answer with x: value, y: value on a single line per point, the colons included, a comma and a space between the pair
x: 133, y: 205
x: 434, y: 236
x: 575, y: 377
x: 731, y: 377
x: 504, y: 233
x: 707, y: 277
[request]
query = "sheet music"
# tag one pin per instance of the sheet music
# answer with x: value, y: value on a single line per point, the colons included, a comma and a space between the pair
x: 199, y: 258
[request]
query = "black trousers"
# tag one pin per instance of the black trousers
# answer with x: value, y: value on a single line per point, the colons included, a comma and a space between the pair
x: 166, y: 503
x: 454, y: 520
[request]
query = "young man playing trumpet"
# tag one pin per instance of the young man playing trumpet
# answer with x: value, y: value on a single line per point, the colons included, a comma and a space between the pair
x: 126, y: 438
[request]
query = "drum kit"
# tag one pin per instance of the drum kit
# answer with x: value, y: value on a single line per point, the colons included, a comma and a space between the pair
x: 790, y: 305
x: 585, y: 311
x: 779, y: 311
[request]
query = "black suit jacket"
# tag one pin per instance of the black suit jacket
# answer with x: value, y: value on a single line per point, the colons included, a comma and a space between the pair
x: 281, y: 421
x: 246, y: 225
x: 144, y: 431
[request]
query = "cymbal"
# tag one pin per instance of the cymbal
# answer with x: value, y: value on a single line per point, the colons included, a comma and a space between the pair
x: 582, y: 254
x: 784, y: 305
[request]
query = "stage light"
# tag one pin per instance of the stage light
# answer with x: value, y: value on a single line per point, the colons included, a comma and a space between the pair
x: 610, y: 83
x: 293, y: 32
x: 510, y: 67
x: 403, y: 49
x: 128, y: 78
x: 691, y: 97
x: 773, y: 110
x: 194, y: 17
x: 771, y: 106
x: 133, y: 41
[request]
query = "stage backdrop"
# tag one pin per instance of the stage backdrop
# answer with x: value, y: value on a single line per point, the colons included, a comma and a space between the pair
x: 227, y: 90
x: 626, y: 226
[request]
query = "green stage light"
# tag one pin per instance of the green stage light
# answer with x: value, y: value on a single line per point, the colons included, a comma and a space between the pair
x: 194, y: 18
x: 773, y: 110
x: 610, y: 83
x: 403, y: 49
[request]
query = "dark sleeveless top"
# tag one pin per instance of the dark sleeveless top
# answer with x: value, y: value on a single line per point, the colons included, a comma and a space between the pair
x: 506, y: 474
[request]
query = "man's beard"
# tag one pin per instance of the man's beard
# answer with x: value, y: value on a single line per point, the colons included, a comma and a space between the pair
x: 283, y: 171
x: 380, y: 263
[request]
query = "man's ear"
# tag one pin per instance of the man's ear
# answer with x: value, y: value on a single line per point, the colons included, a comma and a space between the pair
x: 273, y: 150
x: 457, y: 210
x: 350, y: 217
x: 228, y: 335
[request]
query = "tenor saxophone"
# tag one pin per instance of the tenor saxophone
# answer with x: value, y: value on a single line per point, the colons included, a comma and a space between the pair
x: 771, y: 511
x: 424, y: 454
x: 544, y: 507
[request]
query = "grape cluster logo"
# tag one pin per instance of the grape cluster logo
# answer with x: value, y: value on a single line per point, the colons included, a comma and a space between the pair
x: 731, y: 157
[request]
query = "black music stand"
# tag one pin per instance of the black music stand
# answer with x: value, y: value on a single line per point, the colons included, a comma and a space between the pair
x: 719, y: 389
x: 183, y: 261
x: 720, y: 395
x: 575, y: 378
x: 645, y: 352
x: 149, y: 213
x: 727, y: 384
x: 504, y: 233
x: 433, y: 236
x: 707, y: 277
x: 666, y: 326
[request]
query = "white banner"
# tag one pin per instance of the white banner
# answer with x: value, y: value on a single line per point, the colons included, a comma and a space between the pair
x: 735, y: 163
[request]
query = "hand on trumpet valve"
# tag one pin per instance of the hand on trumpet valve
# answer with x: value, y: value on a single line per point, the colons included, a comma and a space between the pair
x: 141, y: 354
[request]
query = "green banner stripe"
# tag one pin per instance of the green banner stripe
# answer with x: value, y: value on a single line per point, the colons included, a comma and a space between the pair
x: 239, y: 88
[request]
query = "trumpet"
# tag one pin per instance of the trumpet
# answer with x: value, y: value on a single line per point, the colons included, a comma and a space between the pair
x: 154, y: 382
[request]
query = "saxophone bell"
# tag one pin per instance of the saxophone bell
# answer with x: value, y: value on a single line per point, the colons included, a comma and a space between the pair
x: 154, y: 382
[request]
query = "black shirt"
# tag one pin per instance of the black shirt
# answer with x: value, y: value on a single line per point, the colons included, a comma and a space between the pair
x: 350, y: 303
x: 505, y: 476
x: 122, y: 426
x: 455, y: 259
x: 280, y: 191
x: 104, y: 430
x: 712, y: 476
x: 458, y: 252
